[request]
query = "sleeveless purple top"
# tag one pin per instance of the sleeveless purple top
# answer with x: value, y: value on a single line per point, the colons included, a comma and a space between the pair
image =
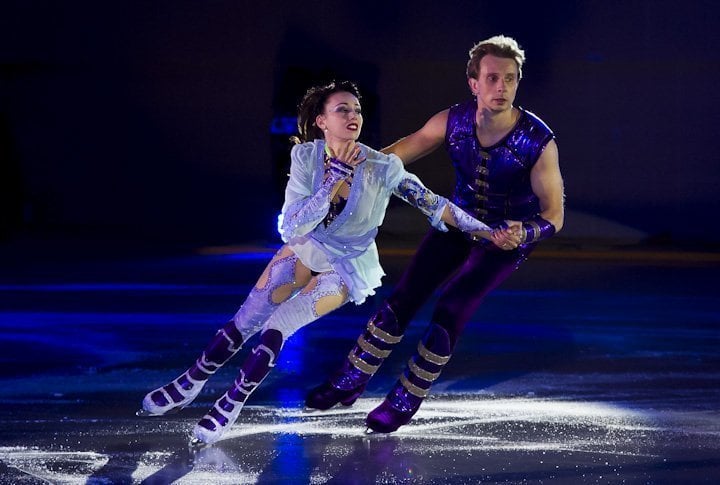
x: 493, y: 183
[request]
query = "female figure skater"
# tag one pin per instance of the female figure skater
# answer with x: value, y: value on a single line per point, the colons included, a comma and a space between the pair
x: 335, y: 200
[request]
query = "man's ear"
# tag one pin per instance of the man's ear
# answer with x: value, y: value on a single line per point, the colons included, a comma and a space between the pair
x: 473, y: 84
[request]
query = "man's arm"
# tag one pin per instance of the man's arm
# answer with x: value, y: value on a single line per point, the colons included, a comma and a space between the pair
x: 547, y: 184
x: 423, y: 141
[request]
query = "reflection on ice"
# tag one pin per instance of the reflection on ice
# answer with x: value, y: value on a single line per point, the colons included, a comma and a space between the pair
x: 269, y: 442
x: 510, y: 424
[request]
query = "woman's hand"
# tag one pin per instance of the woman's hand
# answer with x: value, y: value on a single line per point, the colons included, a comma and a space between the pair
x: 477, y: 235
x: 348, y: 153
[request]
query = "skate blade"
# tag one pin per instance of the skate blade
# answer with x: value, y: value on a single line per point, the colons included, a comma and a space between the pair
x: 195, y: 445
x: 337, y: 405
x: 308, y: 410
x: 144, y: 413
x: 374, y: 432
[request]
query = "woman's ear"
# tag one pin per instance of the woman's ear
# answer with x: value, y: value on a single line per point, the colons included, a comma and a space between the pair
x: 320, y: 122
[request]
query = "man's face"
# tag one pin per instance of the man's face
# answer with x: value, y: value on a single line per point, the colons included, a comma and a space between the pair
x: 496, y: 84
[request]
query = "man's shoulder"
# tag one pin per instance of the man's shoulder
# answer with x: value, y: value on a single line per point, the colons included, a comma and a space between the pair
x: 534, y: 120
x: 464, y: 107
x: 461, y: 117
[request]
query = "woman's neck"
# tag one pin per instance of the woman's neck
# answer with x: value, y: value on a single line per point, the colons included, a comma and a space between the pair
x: 335, y: 145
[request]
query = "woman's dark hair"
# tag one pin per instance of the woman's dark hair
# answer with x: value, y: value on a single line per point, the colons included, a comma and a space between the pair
x: 313, y: 104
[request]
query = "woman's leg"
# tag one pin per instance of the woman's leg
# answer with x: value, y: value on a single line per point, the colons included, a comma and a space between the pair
x: 283, y: 277
x: 323, y: 294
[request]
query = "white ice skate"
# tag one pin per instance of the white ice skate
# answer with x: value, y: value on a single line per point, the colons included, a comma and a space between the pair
x: 171, y: 397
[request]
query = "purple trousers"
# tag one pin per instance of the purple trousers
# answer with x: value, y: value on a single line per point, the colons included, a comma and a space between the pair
x: 467, y: 271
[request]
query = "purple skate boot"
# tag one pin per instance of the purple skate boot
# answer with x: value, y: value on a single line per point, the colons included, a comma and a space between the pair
x: 372, y: 348
x: 404, y: 399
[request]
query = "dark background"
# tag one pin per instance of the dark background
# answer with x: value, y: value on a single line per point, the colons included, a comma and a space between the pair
x: 165, y: 121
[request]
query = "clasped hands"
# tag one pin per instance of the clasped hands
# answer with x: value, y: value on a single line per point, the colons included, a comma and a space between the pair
x: 506, y: 237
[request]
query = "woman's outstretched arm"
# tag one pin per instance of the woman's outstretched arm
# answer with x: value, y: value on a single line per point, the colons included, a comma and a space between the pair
x: 438, y: 209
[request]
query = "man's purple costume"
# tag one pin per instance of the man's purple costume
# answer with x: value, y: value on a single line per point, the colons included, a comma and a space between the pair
x: 492, y: 184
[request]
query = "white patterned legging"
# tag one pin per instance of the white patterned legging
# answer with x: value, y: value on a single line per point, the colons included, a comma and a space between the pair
x: 288, y: 296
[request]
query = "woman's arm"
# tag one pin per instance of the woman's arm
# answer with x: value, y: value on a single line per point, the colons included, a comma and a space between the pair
x: 304, y: 208
x: 438, y: 209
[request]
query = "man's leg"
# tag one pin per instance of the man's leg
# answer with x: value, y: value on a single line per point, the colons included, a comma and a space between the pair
x: 460, y: 299
x: 437, y: 257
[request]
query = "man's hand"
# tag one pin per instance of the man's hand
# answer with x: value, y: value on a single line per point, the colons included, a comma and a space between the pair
x: 509, y: 237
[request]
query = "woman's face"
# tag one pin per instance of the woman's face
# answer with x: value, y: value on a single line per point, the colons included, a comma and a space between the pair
x: 342, y: 119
